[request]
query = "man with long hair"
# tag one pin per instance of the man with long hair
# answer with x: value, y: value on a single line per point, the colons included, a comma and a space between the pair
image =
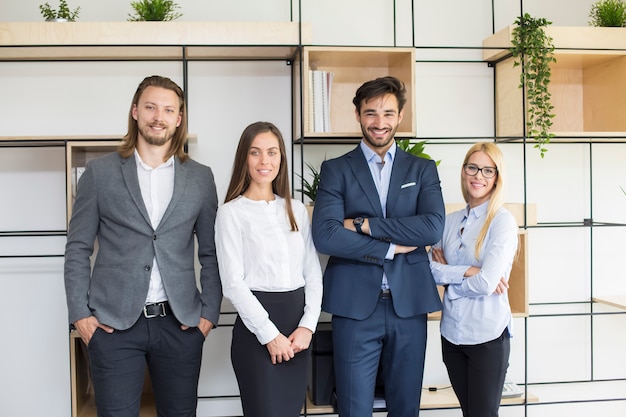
x: 140, y: 305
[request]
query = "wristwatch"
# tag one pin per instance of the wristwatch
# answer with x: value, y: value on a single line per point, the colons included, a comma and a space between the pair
x: 358, y: 222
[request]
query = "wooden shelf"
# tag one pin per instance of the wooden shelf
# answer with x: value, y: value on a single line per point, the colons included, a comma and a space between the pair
x: 618, y: 301
x: 444, y: 397
x: 352, y: 66
x: 588, y: 85
x: 151, y: 40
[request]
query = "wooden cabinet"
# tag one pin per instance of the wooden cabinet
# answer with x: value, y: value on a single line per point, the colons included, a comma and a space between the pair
x: 588, y: 83
x: 351, y: 67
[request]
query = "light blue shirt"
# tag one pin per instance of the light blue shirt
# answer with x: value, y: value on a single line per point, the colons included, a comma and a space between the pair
x: 381, y: 177
x: 472, y: 313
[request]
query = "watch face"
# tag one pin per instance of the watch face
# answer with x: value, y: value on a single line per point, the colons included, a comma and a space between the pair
x: 358, y: 221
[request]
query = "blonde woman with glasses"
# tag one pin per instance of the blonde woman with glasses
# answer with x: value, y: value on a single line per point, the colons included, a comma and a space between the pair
x: 473, y: 261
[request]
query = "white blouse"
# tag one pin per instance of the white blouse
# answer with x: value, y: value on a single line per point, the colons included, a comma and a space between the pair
x: 257, y: 251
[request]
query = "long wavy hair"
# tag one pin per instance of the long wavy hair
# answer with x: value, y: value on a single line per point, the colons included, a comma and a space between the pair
x: 177, y: 143
x: 496, y: 200
x: 240, y: 177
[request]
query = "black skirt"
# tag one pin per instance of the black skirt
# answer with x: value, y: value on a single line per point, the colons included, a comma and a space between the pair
x: 266, y: 389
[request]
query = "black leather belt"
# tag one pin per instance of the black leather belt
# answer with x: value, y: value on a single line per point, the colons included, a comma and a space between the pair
x: 385, y: 294
x: 156, y: 310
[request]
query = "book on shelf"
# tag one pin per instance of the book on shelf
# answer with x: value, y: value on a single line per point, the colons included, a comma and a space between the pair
x: 76, y: 174
x: 319, y: 101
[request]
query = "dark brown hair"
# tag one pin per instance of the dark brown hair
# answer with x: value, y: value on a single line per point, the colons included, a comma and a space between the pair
x: 240, y: 178
x: 177, y: 144
x: 378, y: 87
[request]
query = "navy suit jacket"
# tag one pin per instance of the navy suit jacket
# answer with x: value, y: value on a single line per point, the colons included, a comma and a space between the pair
x: 415, y: 217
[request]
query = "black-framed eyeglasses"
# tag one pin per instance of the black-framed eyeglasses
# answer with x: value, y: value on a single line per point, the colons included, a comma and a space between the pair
x: 488, y: 172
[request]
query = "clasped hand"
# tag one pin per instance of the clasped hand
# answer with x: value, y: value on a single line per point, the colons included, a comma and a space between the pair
x: 283, y: 348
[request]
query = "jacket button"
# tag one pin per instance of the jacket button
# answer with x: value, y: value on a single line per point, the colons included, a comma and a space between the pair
x: 146, y: 268
x: 154, y: 237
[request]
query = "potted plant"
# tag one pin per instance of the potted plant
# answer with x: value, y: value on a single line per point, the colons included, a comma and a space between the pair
x: 608, y: 13
x: 416, y: 149
x: 154, y: 10
x: 309, y: 188
x: 63, y: 14
x: 534, y: 51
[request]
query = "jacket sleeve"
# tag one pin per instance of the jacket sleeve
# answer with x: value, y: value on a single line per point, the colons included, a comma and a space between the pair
x: 210, y: 284
x: 329, y: 234
x: 81, y: 237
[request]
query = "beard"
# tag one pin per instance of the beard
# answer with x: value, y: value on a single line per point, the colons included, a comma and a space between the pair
x: 377, y: 143
x: 156, y: 139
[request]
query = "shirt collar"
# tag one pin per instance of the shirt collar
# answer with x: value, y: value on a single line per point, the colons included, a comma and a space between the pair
x: 371, y: 155
x: 140, y: 163
x: 479, y: 211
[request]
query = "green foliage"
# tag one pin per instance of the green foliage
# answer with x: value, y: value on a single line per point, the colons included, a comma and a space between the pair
x: 64, y: 11
x: 534, y: 51
x: 416, y: 148
x: 154, y: 10
x: 608, y: 13
x: 310, y: 188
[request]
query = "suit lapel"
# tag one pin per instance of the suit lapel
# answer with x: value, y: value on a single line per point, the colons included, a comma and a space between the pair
x: 363, y: 176
x: 180, y: 182
x: 398, y: 174
x: 129, y: 172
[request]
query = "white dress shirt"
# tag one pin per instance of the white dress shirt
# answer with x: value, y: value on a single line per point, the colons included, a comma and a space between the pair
x: 157, y: 186
x: 257, y: 251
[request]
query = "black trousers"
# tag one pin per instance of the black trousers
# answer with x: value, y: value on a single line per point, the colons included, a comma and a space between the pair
x: 477, y: 374
x: 271, y: 390
x: 173, y: 356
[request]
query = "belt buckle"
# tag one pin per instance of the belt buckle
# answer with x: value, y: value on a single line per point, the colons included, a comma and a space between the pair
x: 147, y: 315
x: 385, y: 294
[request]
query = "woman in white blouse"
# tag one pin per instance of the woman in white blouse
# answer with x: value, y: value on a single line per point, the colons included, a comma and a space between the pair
x: 270, y: 272
x: 473, y: 262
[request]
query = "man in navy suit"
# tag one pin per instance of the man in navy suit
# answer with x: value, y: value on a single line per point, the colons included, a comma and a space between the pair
x: 377, y: 208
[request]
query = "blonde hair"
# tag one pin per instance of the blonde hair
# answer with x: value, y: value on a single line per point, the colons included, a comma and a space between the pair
x: 496, y: 200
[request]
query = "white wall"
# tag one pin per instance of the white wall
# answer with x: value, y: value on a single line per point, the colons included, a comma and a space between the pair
x: 454, y: 99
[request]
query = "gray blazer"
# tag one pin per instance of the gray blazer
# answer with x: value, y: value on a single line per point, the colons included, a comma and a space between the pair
x: 109, y: 207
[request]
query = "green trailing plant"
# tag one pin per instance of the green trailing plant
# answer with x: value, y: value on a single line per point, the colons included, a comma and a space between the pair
x: 608, y: 13
x: 63, y: 12
x: 533, y: 50
x: 414, y: 148
x: 309, y: 188
x: 154, y: 10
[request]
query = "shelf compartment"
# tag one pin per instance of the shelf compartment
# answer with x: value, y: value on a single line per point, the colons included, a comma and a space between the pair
x: 588, y: 83
x: 151, y: 40
x: 352, y: 66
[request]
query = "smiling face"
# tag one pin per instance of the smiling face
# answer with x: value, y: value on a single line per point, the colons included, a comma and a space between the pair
x: 263, y: 160
x: 157, y: 113
x: 478, y: 188
x: 379, y: 118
